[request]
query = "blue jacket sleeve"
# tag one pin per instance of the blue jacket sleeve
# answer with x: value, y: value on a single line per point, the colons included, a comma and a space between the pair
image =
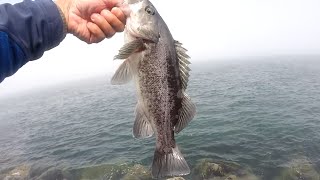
x: 27, y: 29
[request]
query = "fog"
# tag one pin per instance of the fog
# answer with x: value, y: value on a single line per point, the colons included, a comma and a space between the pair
x: 212, y: 30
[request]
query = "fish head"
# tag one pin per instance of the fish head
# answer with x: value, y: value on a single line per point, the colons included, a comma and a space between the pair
x: 143, y: 21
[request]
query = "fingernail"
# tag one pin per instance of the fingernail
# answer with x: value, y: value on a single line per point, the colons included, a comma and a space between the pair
x: 94, y: 17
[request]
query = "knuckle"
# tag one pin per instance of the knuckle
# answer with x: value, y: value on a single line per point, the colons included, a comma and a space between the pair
x: 112, y: 19
x: 121, y: 28
x: 117, y: 12
x: 110, y: 34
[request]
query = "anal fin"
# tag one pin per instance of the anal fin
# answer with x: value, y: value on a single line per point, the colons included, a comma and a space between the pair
x: 141, y: 127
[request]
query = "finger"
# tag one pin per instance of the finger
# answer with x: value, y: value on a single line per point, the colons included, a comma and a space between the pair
x: 119, y: 14
x: 116, y: 24
x: 113, y: 3
x: 97, y: 34
x: 103, y: 25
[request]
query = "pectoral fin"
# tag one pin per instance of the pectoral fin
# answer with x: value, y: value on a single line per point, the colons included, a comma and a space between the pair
x: 130, y: 48
x: 141, y: 127
x: 123, y: 74
x: 186, y: 113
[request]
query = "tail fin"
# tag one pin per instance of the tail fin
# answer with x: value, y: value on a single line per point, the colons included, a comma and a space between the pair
x: 172, y: 164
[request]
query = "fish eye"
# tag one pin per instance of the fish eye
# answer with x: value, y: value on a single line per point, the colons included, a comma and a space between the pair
x: 150, y: 10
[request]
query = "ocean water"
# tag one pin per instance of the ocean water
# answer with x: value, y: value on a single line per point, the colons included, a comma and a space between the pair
x: 262, y: 114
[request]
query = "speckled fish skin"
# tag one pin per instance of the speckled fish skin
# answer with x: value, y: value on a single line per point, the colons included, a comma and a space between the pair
x: 160, y: 76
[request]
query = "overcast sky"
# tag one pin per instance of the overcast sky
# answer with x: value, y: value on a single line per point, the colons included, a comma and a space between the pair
x: 209, y: 29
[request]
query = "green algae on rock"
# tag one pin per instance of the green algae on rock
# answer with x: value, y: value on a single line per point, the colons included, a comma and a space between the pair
x: 208, y: 169
x: 17, y: 173
x: 138, y: 172
x: 298, y: 169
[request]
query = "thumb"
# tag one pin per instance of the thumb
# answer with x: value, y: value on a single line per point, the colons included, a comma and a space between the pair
x: 121, y: 4
x: 125, y: 9
x: 113, y: 3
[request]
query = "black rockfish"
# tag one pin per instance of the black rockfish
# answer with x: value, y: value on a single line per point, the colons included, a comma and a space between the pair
x: 159, y: 67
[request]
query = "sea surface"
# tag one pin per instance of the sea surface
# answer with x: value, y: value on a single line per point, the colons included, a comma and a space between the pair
x: 263, y: 114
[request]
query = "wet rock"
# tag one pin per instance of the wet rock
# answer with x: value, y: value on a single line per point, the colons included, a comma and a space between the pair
x: 18, y: 173
x: 249, y: 177
x: 176, y: 178
x: 115, y: 172
x: 299, y: 169
x: 42, y: 171
x: 105, y: 172
x: 55, y: 174
x: 138, y: 172
x: 208, y: 169
x: 231, y: 177
x: 36, y: 170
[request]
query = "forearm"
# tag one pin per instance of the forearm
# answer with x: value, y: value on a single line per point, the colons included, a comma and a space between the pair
x: 11, y: 56
x: 27, y: 30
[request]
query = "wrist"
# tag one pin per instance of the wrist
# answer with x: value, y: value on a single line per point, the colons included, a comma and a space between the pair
x: 63, y: 8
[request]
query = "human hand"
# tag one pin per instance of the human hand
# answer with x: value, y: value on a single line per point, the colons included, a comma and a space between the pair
x: 93, y: 20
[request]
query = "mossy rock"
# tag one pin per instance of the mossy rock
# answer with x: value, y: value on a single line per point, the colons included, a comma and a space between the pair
x: 207, y: 168
x: 17, y: 173
x: 112, y: 172
x: 107, y: 171
x: 52, y: 174
x: 298, y: 169
x: 176, y: 178
x: 220, y: 170
x: 138, y: 172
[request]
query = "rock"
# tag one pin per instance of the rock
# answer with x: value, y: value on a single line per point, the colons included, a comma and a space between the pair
x: 54, y: 174
x: 138, y: 172
x: 37, y: 170
x: 112, y: 172
x: 297, y: 169
x: 106, y: 171
x: 176, y: 178
x: 206, y: 169
x: 231, y: 177
x: 221, y: 170
x: 248, y: 177
x: 18, y: 173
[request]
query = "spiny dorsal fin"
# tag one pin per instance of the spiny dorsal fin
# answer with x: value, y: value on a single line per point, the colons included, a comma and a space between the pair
x: 130, y: 48
x: 183, y: 64
x: 186, y: 113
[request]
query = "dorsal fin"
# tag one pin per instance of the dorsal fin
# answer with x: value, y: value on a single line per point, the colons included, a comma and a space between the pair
x: 183, y: 64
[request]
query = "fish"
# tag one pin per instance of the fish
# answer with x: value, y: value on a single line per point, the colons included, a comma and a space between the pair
x: 159, y: 67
